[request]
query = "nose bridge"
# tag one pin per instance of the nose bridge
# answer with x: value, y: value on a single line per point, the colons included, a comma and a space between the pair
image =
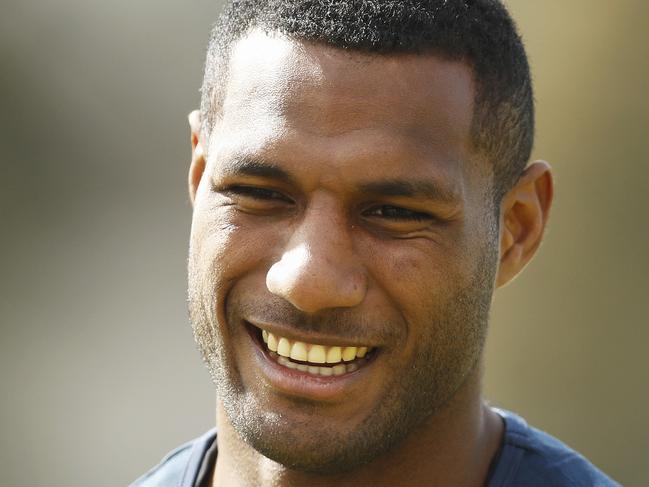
x: 319, y: 268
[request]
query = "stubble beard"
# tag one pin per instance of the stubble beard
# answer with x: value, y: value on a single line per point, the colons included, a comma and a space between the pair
x: 445, y: 357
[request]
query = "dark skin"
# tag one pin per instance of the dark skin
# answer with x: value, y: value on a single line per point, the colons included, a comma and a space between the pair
x: 325, y: 233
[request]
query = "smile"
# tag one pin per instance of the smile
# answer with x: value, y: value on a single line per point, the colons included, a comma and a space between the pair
x: 313, y: 358
x: 321, y: 368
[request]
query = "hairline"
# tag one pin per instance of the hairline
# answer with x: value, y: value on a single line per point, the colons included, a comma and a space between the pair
x: 477, y: 126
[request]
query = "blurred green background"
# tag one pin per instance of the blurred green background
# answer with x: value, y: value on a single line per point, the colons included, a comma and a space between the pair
x: 98, y: 368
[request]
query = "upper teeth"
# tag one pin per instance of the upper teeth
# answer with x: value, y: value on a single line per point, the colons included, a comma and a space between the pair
x: 311, y: 352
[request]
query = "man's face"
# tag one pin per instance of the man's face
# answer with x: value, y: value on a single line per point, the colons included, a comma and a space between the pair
x: 340, y: 206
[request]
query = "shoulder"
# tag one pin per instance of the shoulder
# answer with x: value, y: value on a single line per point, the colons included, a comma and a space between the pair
x: 180, y: 466
x: 531, y: 457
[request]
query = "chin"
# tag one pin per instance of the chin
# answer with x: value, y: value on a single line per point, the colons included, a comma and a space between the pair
x: 324, y: 455
x: 310, y: 445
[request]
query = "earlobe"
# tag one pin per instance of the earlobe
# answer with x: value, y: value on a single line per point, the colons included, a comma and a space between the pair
x: 524, y: 215
x: 197, y: 165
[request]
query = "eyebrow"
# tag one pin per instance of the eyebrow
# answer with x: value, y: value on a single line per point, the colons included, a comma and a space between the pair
x: 411, y: 189
x: 257, y: 168
x: 247, y: 166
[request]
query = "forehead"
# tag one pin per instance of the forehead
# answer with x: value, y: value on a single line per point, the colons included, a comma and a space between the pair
x: 281, y: 92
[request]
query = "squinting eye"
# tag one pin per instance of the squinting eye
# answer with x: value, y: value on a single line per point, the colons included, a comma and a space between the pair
x: 258, y: 193
x: 397, y: 213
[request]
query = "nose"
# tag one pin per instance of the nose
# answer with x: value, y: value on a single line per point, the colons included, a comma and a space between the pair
x: 319, y: 268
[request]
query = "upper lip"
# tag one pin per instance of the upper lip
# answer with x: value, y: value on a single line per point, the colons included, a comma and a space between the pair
x: 311, y: 337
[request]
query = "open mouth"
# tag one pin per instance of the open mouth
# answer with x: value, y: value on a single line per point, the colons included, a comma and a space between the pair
x: 312, y: 358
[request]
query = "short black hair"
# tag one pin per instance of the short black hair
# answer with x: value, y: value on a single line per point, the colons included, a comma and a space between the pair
x: 479, y: 32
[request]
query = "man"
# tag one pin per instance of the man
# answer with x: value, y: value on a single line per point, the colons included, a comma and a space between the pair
x: 360, y: 186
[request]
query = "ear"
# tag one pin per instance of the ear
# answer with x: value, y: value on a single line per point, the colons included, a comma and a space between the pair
x: 197, y: 165
x: 523, y: 216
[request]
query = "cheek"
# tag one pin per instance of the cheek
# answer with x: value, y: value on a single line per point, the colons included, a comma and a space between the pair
x: 221, y: 252
x: 415, y: 274
x: 209, y: 243
x: 224, y: 248
x: 424, y: 282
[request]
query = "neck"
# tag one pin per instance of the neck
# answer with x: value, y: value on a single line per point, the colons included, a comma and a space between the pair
x: 453, y: 447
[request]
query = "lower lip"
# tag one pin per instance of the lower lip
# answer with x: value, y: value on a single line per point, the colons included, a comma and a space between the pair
x: 303, y: 384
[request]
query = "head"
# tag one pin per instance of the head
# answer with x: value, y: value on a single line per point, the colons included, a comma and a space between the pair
x: 359, y: 178
x: 479, y: 33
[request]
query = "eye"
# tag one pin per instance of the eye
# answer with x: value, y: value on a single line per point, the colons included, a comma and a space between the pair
x: 257, y: 200
x: 396, y: 213
x: 258, y: 193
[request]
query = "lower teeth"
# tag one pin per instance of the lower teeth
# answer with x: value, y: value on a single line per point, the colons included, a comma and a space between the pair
x: 338, y: 369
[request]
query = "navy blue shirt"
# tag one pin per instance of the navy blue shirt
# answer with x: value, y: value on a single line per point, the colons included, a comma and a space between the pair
x: 527, y: 458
